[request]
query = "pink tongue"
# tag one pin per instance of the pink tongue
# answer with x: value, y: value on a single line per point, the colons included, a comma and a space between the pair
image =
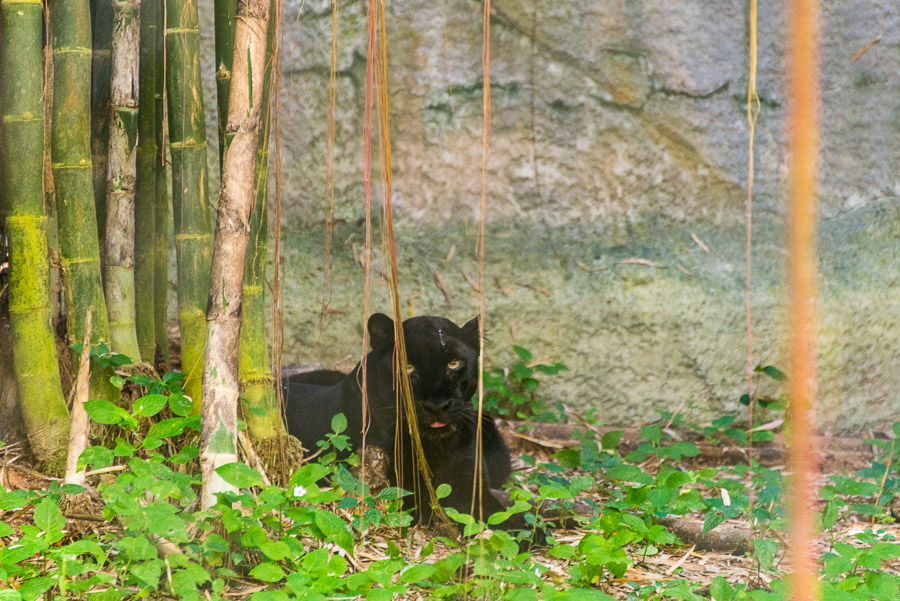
x: 438, y: 424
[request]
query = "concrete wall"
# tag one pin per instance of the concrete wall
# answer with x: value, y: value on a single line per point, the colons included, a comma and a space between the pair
x: 619, y: 132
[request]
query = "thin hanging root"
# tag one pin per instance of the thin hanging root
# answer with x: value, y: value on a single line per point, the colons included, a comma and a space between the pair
x: 376, y: 85
x: 329, y: 169
x: 480, y: 248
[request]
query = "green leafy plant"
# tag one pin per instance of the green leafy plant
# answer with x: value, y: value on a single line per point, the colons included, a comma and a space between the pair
x: 513, y: 392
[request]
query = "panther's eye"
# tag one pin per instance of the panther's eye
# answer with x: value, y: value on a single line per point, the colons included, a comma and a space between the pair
x: 410, y: 369
x: 455, y: 364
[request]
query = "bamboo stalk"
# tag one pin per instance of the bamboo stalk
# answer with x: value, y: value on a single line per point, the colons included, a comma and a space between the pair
x: 224, y: 12
x: 70, y: 38
x: 145, y: 197
x: 161, y: 216
x: 190, y: 202
x: 21, y: 188
x: 255, y: 372
x: 121, y: 177
x: 101, y: 56
x: 220, y: 368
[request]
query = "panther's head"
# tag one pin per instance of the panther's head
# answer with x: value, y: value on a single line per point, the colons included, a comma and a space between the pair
x: 442, y: 366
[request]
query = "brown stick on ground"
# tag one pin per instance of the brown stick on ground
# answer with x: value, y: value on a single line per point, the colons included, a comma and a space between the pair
x: 724, y: 538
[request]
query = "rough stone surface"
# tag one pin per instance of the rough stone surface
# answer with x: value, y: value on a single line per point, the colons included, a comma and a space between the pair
x: 619, y: 130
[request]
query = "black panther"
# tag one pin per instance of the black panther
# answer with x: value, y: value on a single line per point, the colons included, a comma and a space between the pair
x: 443, y: 373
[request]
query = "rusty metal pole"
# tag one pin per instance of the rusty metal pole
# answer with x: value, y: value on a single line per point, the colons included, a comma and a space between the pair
x: 803, y: 141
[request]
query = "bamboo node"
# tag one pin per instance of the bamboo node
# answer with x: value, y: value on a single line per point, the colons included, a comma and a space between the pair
x: 192, y: 236
x: 73, y: 50
x: 188, y: 143
x: 64, y: 261
x: 27, y: 116
x: 82, y: 164
x: 25, y: 219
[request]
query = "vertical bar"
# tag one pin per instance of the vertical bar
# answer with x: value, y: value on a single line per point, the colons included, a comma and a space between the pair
x: 803, y: 140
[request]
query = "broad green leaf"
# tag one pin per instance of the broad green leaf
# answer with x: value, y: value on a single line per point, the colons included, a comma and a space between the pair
x: 555, y: 492
x: 118, y: 359
x: 772, y: 371
x: 33, y: 588
x: 172, y: 376
x: 85, y: 545
x: 765, y: 550
x: 629, y: 473
x: 345, y: 479
x: 523, y: 353
x: 239, y: 474
x: 720, y: 590
x: 48, y: 517
x: 180, y: 405
x: 104, y: 412
x: 168, y: 427
x: 338, y: 423
x: 335, y: 529
x: 521, y: 594
x: 269, y: 596
x: 418, y: 573
x: 149, y: 405
x: 392, y: 492
x: 24, y: 548
x: 162, y: 520
x: 267, y: 572
x: 379, y: 594
x: 498, y: 518
x: 611, y: 440
x: 713, y: 519
x: 149, y: 571
x: 308, y: 474
x: 275, y: 550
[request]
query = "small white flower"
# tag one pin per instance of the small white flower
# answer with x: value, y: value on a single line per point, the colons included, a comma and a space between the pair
x: 299, y: 491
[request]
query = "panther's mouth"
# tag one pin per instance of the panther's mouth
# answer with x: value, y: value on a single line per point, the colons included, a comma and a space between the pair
x: 437, y: 424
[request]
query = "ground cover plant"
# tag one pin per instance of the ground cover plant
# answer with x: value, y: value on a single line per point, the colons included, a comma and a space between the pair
x: 616, y: 504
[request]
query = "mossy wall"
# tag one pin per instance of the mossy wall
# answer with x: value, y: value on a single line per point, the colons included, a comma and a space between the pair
x: 619, y: 132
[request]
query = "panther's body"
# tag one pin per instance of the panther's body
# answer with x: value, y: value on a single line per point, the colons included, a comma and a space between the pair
x: 443, y: 360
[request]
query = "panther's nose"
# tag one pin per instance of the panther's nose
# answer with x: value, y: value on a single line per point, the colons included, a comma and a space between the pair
x: 439, y: 406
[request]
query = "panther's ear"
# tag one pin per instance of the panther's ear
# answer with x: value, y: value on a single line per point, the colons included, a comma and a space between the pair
x: 381, y: 332
x: 470, y: 333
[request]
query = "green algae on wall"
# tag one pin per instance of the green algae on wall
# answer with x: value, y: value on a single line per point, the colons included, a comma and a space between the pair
x: 638, y: 338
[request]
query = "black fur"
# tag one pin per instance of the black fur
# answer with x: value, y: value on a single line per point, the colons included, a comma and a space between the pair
x: 442, y: 392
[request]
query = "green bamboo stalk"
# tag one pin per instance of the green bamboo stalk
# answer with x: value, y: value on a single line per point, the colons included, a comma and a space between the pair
x: 145, y: 198
x: 161, y: 248
x: 21, y: 186
x: 70, y: 39
x: 255, y: 374
x: 120, y: 179
x: 101, y: 26
x: 224, y: 13
x: 190, y: 200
